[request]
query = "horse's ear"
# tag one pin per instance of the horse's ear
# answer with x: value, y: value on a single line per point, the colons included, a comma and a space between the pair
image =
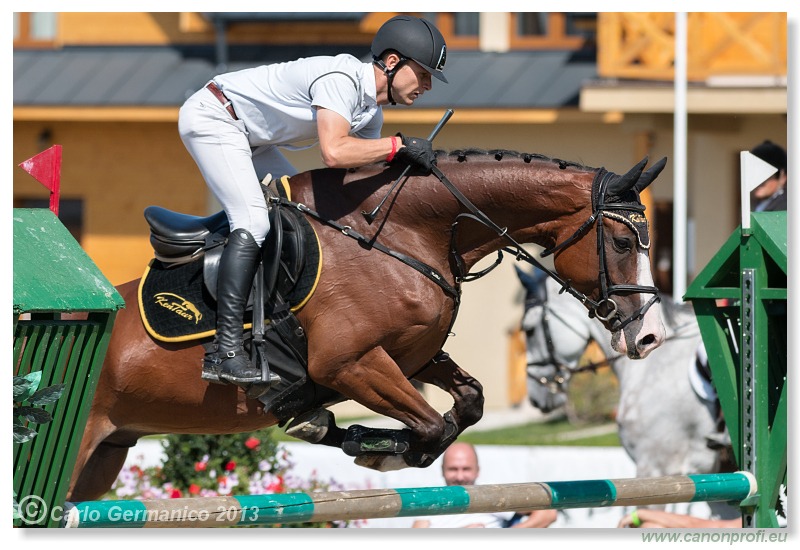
x: 618, y: 186
x: 530, y: 281
x: 651, y: 174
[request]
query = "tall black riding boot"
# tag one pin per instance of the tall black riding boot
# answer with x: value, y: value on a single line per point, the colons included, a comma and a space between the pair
x: 237, y: 268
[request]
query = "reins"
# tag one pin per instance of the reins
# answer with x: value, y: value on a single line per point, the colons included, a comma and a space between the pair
x: 599, y: 208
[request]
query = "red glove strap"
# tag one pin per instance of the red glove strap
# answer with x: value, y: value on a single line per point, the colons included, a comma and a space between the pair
x: 394, y: 150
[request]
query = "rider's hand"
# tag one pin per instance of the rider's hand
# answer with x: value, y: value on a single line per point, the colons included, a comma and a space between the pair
x: 417, y: 152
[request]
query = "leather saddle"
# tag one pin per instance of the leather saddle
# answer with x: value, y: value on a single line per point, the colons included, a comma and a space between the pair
x: 179, y: 238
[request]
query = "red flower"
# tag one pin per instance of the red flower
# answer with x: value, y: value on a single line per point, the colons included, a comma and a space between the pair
x: 252, y: 443
x: 200, y: 466
x: 230, y: 466
x: 194, y: 489
x: 176, y: 493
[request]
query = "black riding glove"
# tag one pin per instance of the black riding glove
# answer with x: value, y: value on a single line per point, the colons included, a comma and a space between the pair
x: 418, y: 153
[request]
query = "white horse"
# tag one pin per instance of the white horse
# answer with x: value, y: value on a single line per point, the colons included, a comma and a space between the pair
x: 668, y: 414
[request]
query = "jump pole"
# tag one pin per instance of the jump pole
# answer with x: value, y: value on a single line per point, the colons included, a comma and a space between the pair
x: 390, y: 503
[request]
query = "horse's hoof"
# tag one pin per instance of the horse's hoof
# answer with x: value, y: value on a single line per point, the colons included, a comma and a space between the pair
x: 381, y: 463
x: 419, y: 460
x: 312, y: 426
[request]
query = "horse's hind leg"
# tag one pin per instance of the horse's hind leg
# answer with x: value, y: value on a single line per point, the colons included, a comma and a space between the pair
x: 101, y: 456
x: 100, y: 472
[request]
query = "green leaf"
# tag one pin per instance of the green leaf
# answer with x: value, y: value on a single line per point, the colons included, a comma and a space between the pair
x: 23, y: 434
x: 47, y: 395
x: 34, y: 379
x: 21, y: 387
x: 32, y: 414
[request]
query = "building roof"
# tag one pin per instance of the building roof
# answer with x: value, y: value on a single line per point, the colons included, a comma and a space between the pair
x: 166, y: 76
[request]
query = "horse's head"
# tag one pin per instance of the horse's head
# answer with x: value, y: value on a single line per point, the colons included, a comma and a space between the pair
x: 611, y: 263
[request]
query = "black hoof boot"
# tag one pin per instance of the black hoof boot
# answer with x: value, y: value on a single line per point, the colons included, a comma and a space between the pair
x: 360, y: 440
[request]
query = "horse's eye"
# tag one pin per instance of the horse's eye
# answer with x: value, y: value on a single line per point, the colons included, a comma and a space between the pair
x: 623, y: 244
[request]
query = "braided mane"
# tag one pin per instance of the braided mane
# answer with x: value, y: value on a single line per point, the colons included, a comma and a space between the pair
x: 463, y: 155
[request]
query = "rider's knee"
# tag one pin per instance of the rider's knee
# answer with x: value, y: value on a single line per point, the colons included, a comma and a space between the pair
x: 259, y: 227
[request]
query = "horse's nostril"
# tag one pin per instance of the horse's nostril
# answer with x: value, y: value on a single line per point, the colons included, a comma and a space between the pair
x: 647, y: 341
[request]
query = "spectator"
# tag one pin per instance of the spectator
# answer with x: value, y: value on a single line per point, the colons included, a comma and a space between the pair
x: 460, y: 467
x: 770, y: 195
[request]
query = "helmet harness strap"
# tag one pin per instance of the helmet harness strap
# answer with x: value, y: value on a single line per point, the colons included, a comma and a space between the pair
x: 390, y: 73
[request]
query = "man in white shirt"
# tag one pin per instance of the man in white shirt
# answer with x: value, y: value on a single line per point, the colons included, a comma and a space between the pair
x: 235, y: 125
x: 460, y: 467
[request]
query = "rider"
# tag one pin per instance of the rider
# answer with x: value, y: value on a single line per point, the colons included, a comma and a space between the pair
x: 233, y: 128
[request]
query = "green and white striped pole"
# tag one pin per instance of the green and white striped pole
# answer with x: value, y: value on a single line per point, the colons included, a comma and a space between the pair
x: 389, y: 503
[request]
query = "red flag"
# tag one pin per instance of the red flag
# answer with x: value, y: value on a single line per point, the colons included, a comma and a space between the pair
x: 46, y: 169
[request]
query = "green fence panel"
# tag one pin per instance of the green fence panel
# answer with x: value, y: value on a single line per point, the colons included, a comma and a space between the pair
x: 740, y: 300
x: 53, y: 276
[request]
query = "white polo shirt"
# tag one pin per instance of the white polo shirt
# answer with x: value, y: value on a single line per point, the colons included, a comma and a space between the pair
x: 277, y: 102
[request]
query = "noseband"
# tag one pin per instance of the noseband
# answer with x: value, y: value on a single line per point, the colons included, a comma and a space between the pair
x: 605, y: 309
x: 600, y: 209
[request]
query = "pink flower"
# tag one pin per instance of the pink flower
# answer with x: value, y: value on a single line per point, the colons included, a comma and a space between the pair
x: 175, y: 493
x: 200, y: 466
x: 194, y: 489
x: 252, y: 443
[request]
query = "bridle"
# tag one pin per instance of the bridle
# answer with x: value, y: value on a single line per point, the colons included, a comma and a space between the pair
x: 556, y: 380
x: 606, y: 308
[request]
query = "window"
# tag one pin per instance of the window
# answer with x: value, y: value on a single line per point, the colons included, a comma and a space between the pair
x: 35, y: 29
x: 553, y: 30
x: 460, y: 30
x: 526, y: 30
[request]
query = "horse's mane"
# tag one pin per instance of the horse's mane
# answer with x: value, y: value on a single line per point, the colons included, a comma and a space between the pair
x: 464, y: 155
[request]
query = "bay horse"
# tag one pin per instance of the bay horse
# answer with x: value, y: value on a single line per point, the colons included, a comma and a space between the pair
x: 375, y: 323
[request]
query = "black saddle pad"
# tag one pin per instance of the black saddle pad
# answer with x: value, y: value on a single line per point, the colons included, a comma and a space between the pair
x: 175, y: 305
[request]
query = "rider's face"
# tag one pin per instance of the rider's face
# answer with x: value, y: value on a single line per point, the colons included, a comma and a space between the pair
x: 410, y: 82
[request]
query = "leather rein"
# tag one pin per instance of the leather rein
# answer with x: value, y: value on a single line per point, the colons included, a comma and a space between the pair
x: 599, y: 207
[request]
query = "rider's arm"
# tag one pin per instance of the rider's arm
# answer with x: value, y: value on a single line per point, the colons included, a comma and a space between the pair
x: 341, y: 150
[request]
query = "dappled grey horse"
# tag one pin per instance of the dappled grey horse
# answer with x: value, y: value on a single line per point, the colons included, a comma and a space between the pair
x: 668, y: 414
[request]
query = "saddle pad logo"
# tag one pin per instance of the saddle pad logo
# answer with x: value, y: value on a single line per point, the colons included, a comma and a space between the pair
x: 179, y: 306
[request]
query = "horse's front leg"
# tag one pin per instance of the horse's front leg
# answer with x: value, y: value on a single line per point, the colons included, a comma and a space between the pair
x: 466, y: 391
x: 376, y: 381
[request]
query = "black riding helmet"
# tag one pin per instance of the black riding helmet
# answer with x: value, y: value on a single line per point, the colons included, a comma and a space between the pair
x: 412, y: 38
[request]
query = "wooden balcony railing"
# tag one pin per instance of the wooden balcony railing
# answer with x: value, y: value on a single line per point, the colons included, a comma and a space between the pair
x: 642, y: 45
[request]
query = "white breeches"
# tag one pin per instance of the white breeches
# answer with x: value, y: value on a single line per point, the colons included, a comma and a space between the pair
x: 231, y: 169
